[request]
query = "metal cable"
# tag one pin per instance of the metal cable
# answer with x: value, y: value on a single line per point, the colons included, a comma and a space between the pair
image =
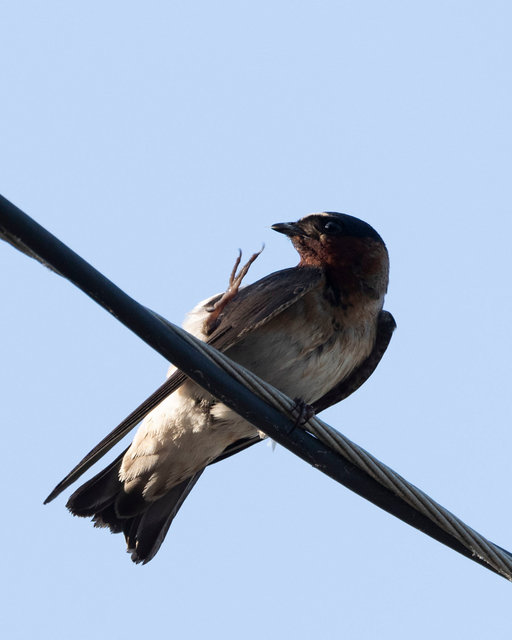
x: 265, y: 407
x: 471, y: 539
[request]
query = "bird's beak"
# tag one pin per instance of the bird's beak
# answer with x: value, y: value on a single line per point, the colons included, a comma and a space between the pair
x: 288, y: 228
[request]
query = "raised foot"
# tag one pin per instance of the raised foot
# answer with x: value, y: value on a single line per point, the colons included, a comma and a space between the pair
x: 235, y: 280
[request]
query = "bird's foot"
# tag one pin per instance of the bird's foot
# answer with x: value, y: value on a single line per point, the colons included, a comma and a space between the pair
x: 301, y: 413
x: 235, y: 280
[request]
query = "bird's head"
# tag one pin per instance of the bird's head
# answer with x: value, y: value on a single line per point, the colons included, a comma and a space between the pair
x: 350, y: 250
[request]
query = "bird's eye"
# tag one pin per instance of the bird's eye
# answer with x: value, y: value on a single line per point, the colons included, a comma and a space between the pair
x: 331, y: 226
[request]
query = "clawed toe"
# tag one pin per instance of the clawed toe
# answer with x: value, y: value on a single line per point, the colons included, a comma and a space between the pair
x: 302, y: 412
x: 235, y: 280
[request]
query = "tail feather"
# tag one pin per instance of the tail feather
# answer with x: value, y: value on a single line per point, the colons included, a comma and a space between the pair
x: 144, y: 530
x: 108, y: 517
x: 98, y: 493
x: 144, y: 524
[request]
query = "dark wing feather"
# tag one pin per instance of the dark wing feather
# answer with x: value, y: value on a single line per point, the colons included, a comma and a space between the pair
x: 236, y: 447
x: 252, y: 307
x: 103, y: 447
x: 385, y: 326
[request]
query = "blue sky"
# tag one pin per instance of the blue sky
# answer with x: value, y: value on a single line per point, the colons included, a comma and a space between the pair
x: 156, y: 139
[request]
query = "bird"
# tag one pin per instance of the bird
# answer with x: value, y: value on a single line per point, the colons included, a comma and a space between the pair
x: 316, y: 331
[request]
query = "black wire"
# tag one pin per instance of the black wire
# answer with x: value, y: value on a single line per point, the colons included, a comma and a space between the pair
x: 31, y: 238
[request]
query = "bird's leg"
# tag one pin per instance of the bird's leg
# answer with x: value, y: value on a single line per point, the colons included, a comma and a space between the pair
x: 235, y: 280
x: 302, y: 412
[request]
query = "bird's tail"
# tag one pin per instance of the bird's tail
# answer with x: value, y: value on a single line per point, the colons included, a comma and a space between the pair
x: 144, y: 524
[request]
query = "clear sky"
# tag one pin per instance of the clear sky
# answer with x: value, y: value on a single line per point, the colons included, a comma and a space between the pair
x: 156, y: 139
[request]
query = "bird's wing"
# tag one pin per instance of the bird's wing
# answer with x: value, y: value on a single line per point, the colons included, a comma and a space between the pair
x: 258, y: 303
x: 385, y: 326
x: 252, y: 307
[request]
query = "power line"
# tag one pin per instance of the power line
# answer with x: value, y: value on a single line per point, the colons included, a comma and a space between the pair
x: 328, y: 450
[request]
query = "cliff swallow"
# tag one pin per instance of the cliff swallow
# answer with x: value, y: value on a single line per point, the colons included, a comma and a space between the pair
x: 316, y: 332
